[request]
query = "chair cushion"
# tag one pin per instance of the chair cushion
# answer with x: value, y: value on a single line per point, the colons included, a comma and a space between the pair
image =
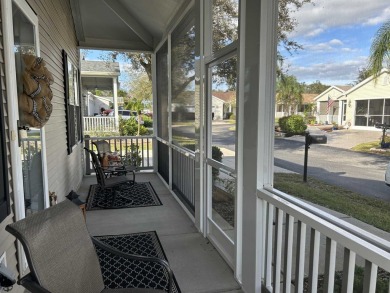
x: 59, y: 249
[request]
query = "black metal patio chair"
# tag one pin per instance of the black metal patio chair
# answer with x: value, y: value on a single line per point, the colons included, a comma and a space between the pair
x: 121, y: 165
x: 61, y: 253
x: 112, y: 184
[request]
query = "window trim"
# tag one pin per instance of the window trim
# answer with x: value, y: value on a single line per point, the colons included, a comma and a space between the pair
x: 73, y: 134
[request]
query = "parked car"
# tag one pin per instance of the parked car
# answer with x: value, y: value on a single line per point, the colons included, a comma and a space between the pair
x: 127, y: 114
x: 387, y: 175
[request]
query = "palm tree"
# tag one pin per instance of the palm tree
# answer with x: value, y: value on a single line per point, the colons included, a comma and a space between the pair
x: 289, y: 92
x: 136, y: 105
x: 380, y: 49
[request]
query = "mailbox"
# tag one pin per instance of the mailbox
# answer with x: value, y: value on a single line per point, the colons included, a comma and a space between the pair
x: 317, y: 139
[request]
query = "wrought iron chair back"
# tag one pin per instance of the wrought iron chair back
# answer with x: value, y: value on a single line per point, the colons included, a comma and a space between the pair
x: 102, y: 146
x: 100, y: 178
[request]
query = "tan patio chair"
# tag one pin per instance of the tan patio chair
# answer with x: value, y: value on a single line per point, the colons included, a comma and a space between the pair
x: 61, y: 254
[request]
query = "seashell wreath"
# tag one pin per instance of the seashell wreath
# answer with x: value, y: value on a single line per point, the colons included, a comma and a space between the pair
x: 35, y: 102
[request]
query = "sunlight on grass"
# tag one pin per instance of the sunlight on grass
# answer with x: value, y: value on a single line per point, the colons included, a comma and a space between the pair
x: 367, y: 146
x: 369, y: 210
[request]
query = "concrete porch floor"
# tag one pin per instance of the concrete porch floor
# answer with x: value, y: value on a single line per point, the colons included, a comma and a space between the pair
x: 197, y: 265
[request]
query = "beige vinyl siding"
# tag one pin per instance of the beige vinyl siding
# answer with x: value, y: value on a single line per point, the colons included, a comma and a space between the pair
x: 333, y: 94
x: 56, y: 32
x: 7, y: 241
x: 368, y: 91
x: 372, y: 90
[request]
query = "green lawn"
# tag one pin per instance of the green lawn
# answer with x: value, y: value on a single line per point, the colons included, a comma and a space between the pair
x: 367, y: 146
x: 371, y: 211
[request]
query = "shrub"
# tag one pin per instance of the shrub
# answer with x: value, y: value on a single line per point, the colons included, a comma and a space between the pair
x: 133, y: 155
x: 292, y: 125
x: 130, y: 128
x: 148, y: 121
x: 216, y: 154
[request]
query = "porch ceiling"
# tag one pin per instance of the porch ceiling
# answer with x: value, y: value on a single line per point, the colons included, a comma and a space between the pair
x: 122, y: 24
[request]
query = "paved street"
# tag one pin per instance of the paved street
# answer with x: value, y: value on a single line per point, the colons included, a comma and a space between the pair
x: 333, y: 163
x: 362, y: 173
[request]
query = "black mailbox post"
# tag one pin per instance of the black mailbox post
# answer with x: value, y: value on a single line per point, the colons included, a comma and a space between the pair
x: 311, y: 139
x: 384, y: 128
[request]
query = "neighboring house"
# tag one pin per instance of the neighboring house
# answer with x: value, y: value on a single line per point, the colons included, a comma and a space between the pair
x: 359, y: 106
x: 327, y: 104
x: 225, y: 104
x: 100, y: 75
x: 95, y: 103
x: 367, y: 103
x: 307, y: 100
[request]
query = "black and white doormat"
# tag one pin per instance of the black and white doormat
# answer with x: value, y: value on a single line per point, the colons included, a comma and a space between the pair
x: 119, y: 272
x: 140, y: 194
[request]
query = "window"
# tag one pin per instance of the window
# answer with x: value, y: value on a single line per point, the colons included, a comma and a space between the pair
x: 185, y: 112
x: 371, y: 112
x: 72, y: 97
x: 162, y: 92
x: 4, y: 196
x: 344, y: 110
x: 224, y: 23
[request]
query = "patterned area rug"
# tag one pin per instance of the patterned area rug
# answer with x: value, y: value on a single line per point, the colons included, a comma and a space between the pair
x: 134, y: 274
x: 140, y: 194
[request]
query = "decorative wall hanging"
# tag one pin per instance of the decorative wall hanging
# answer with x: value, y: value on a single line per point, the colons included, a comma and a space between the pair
x: 35, y: 102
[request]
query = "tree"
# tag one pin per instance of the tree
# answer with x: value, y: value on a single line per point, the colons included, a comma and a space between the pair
x: 380, y: 50
x: 136, y: 105
x: 289, y: 92
x: 315, y: 88
x: 287, y: 24
x: 363, y: 74
x: 122, y: 93
x: 141, y: 88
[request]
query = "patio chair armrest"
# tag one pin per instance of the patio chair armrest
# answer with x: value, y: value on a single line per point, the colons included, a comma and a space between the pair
x: 117, y: 252
x: 29, y: 282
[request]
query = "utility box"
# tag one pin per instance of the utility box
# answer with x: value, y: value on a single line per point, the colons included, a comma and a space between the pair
x: 317, y: 139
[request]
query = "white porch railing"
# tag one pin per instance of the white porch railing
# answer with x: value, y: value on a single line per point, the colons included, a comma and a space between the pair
x: 99, y: 124
x: 123, y: 145
x: 304, y: 246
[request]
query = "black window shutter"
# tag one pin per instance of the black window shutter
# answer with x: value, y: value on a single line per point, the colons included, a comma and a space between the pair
x: 4, y: 193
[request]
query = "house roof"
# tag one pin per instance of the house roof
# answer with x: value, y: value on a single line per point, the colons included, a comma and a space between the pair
x: 340, y: 88
x: 102, y: 67
x: 308, y: 98
x: 344, y: 87
x: 227, y: 97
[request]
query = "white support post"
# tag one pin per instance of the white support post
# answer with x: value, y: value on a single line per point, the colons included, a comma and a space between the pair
x: 170, y: 108
x: 258, y: 39
x: 155, y: 112
x: 115, y: 101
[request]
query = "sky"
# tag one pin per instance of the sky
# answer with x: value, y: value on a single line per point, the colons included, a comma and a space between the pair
x: 336, y: 36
